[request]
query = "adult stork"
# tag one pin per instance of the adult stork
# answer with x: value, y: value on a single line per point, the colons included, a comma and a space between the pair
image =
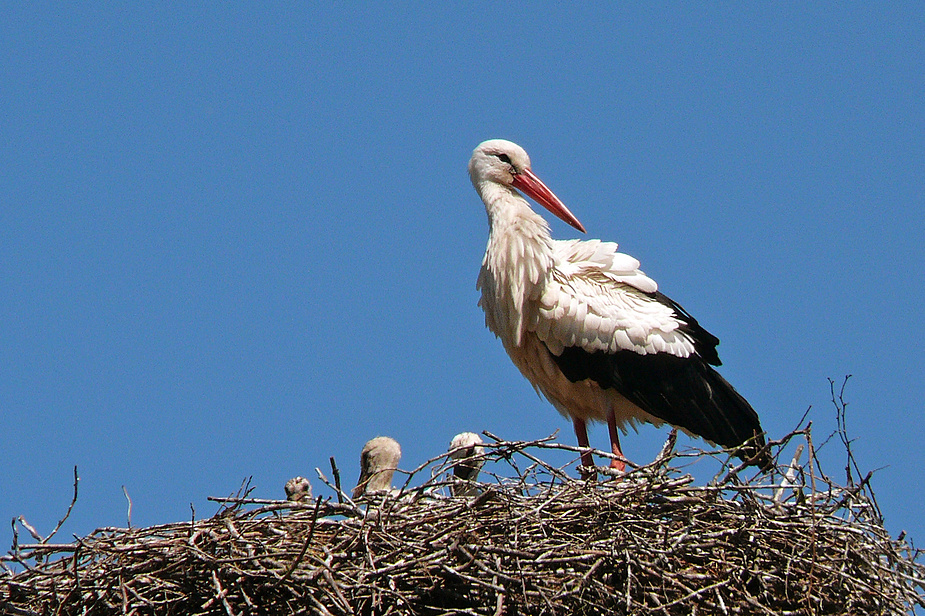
x: 589, y: 330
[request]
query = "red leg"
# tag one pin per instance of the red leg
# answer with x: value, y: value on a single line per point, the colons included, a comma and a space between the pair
x: 581, y: 431
x: 615, y: 443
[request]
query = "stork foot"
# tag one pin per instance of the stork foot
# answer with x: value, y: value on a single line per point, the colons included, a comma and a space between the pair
x: 587, y: 464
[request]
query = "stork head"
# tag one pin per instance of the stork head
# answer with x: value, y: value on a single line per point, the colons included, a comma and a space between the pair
x: 507, y: 164
x: 466, y: 447
x: 378, y: 462
x: 467, y: 450
x: 298, y: 489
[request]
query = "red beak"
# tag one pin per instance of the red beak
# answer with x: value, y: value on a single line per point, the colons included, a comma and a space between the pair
x: 533, y: 187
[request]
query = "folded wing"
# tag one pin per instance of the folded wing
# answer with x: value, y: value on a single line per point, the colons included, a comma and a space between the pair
x: 603, y: 319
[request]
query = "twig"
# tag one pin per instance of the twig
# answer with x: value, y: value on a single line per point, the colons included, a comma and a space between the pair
x: 129, y: 512
x: 336, y: 474
x: 70, y: 507
x: 35, y: 534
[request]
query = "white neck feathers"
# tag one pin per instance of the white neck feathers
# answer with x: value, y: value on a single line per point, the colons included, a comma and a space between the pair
x: 518, y: 261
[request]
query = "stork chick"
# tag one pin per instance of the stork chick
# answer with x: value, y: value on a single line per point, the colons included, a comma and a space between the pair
x: 378, y: 462
x: 298, y: 489
x: 467, y: 449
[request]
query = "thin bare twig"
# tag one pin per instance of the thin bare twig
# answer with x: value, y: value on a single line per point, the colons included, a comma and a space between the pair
x: 70, y: 508
x: 128, y: 514
x: 336, y: 474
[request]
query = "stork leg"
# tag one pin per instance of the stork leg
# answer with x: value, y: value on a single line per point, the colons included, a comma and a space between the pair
x: 587, y: 460
x: 614, y: 442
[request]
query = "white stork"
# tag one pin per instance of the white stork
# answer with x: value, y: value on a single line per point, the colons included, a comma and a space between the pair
x: 378, y: 462
x: 467, y: 449
x: 588, y: 329
x: 298, y: 489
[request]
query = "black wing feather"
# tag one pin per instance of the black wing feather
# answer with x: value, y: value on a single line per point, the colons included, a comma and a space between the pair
x: 704, y: 342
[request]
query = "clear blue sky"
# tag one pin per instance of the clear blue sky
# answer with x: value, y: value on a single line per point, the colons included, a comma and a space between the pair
x: 237, y: 240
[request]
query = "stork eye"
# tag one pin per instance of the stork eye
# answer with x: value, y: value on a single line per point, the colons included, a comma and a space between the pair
x: 504, y: 158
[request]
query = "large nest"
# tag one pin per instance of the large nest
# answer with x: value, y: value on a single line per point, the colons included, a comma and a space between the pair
x: 534, y: 541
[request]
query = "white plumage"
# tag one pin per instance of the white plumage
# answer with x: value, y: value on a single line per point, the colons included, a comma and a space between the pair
x: 598, y: 299
x: 587, y: 327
